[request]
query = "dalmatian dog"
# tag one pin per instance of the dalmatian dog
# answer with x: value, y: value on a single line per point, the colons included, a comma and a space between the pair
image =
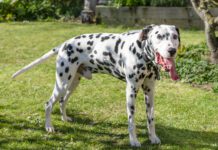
x: 134, y: 57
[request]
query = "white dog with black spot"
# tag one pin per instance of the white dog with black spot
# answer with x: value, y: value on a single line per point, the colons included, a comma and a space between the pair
x: 133, y: 57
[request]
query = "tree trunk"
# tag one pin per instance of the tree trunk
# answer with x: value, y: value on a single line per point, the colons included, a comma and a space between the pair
x: 201, y: 7
x: 212, y: 42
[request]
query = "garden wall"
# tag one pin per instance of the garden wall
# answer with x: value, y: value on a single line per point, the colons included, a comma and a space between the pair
x: 183, y: 17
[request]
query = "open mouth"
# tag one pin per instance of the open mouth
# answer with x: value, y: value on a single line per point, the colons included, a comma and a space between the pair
x: 168, y: 64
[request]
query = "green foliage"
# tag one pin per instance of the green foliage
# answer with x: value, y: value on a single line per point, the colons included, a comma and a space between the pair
x: 38, y: 9
x: 167, y: 3
x: 135, y: 2
x: 193, y: 66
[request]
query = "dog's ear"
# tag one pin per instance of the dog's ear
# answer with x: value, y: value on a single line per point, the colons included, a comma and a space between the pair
x: 144, y: 33
x: 177, y: 30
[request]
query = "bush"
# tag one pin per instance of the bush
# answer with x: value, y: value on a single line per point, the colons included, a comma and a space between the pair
x: 169, y: 3
x: 193, y: 67
x: 20, y: 10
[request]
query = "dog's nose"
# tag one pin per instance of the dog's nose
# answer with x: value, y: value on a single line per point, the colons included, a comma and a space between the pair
x: 172, y: 51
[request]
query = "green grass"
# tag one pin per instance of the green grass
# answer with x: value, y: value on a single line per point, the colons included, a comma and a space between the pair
x: 186, y: 117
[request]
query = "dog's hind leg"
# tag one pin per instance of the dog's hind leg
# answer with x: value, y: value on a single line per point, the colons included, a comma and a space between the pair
x: 63, y: 102
x: 65, y: 74
x: 56, y: 95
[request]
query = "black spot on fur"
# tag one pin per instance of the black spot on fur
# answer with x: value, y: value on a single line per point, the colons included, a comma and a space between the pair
x: 117, y: 45
x: 89, y: 48
x: 78, y: 37
x: 92, y: 61
x: 69, y: 77
x: 83, y: 36
x: 134, y: 51
x: 74, y: 59
x: 106, y: 64
x: 69, y: 53
x: 61, y: 100
x: 54, y: 49
x: 108, y: 69
x: 105, y: 38
x: 142, y: 76
x: 117, y: 73
x: 79, y: 50
x: 95, y: 52
x: 112, y: 59
x: 67, y: 69
x: 122, y: 44
x: 97, y: 36
x: 113, y: 37
x: 120, y: 62
x: 139, y: 55
x: 78, y: 43
x: 132, y: 107
x: 100, y: 68
x: 91, y: 56
x: 132, y: 112
x: 90, y: 43
x: 106, y: 53
x: 149, y: 121
x: 61, y: 74
x: 139, y: 44
x: 62, y: 64
x: 139, y: 66
x: 91, y: 36
x: 150, y: 75
x: 69, y: 47
x: 156, y: 32
x: 131, y: 75
x: 99, y: 62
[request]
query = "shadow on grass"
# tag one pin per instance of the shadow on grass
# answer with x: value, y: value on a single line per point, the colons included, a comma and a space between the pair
x: 90, y: 133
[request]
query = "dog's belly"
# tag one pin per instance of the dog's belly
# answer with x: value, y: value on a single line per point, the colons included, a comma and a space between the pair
x: 106, y: 66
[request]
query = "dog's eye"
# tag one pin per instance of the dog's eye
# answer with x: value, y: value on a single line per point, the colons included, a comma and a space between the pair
x: 159, y: 37
x: 175, y: 37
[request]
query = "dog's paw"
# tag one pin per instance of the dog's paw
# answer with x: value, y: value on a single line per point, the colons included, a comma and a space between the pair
x: 155, y: 140
x: 49, y: 129
x: 135, y: 143
x: 69, y: 119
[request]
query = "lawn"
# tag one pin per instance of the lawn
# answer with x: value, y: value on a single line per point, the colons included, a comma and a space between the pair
x: 186, y: 117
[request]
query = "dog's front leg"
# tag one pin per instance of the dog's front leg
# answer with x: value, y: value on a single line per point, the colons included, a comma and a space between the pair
x: 131, y: 92
x: 148, y: 89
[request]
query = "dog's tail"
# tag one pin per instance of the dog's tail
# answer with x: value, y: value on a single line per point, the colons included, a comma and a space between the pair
x: 38, y: 61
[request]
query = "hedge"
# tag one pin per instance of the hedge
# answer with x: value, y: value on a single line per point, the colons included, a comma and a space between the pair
x: 19, y: 10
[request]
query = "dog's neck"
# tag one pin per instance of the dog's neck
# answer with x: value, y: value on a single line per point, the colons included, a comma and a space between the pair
x: 148, y: 54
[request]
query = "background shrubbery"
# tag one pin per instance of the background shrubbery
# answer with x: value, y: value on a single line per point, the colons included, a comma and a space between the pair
x: 168, y: 3
x: 19, y: 10
x: 193, y: 66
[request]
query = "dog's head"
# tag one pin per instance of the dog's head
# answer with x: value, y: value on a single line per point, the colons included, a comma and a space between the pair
x: 164, y: 40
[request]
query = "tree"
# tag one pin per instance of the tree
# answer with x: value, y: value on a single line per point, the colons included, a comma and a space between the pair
x: 202, y: 8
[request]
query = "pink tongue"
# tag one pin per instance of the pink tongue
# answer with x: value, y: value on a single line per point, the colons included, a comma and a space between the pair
x: 172, y: 69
